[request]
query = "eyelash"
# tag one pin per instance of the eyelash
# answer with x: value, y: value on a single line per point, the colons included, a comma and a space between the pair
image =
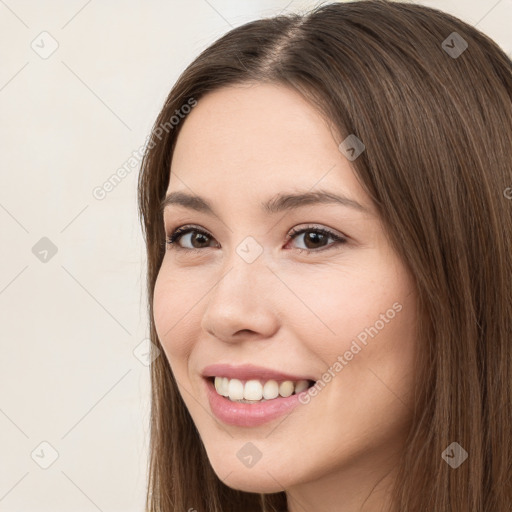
x: 181, y: 231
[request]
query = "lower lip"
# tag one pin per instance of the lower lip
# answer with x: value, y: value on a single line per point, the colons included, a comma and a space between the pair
x: 248, y: 415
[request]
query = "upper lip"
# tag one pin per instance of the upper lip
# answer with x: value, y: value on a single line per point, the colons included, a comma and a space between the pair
x: 248, y: 372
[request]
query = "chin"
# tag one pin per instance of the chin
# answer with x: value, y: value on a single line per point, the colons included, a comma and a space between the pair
x: 256, y: 476
x: 248, y: 481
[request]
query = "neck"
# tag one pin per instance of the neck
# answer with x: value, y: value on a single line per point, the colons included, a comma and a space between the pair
x: 361, y: 489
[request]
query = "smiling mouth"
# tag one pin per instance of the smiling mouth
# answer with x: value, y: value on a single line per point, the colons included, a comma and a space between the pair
x: 256, y: 391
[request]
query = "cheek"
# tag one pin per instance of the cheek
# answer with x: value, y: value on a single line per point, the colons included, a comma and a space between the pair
x: 173, y: 311
x: 366, y: 318
x: 342, y: 302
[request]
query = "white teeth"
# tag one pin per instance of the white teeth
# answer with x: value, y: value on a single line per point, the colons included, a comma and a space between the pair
x: 235, y: 389
x: 254, y: 391
x: 270, y: 390
x: 221, y: 386
x: 286, y: 388
x: 302, y: 385
x: 225, y: 386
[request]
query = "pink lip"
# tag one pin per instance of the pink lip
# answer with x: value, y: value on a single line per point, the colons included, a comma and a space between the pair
x: 249, y: 371
x: 248, y: 415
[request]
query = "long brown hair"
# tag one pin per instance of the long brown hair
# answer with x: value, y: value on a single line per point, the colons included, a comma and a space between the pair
x: 436, y: 119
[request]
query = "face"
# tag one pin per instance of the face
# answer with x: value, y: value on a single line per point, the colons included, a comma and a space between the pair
x: 274, y: 299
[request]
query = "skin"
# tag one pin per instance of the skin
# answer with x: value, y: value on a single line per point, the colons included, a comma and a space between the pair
x: 287, y: 310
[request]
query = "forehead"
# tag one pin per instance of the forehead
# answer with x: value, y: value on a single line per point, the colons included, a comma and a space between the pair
x: 261, y: 139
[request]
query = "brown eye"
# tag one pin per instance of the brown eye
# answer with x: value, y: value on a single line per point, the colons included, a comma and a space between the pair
x: 198, y: 238
x: 316, y: 239
x: 195, y: 237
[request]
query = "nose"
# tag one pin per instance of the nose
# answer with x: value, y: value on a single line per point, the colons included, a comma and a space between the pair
x: 241, y: 304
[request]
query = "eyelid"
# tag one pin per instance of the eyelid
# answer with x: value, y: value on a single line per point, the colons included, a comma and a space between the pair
x: 315, y: 227
x: 181, y: 231
x: 185, y: 229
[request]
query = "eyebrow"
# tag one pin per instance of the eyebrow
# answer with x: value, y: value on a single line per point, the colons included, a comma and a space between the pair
x: 279, y: 203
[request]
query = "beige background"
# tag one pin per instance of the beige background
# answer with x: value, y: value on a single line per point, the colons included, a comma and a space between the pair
x: 72, y: 370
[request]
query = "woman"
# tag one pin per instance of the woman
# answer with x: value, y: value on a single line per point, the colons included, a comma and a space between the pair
x: 329, y: 268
